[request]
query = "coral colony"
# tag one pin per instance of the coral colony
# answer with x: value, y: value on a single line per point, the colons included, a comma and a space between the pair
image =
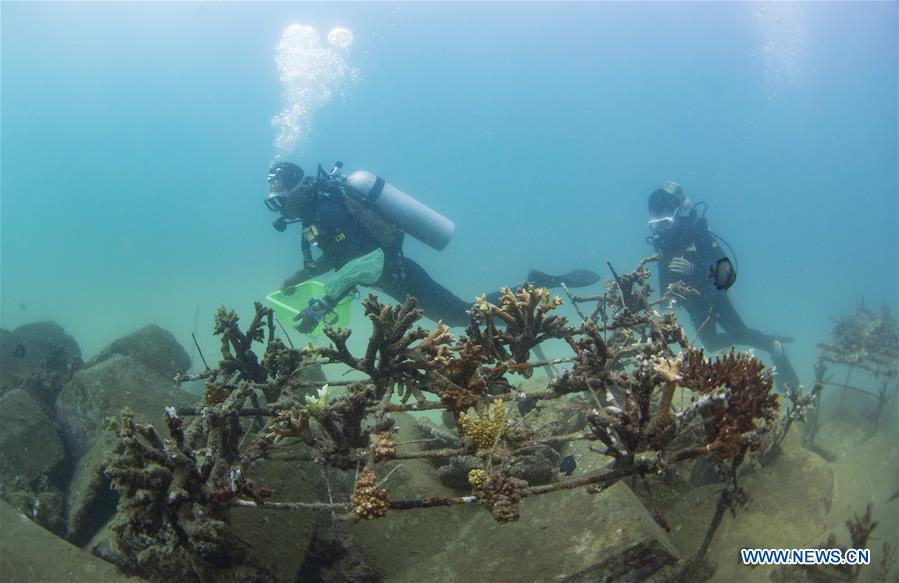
x: 626, y: 362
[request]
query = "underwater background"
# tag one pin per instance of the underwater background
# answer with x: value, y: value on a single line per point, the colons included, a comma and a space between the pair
x: 136, y: 137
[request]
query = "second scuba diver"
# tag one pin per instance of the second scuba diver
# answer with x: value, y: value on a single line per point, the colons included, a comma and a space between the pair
x: 358, y: 223
x: 689, y: 252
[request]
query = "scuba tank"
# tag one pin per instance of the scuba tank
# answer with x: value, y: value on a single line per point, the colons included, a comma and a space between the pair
x: 406, y: 213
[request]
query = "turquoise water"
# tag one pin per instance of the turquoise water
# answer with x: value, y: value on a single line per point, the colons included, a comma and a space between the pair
x: 136, y: 137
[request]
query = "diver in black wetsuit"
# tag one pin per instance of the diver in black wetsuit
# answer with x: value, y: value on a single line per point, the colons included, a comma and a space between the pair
x: 363, y: 247
x: 689, y: 252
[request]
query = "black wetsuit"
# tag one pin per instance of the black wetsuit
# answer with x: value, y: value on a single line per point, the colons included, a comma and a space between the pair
x: 342, y: 238
x: 689, y: 237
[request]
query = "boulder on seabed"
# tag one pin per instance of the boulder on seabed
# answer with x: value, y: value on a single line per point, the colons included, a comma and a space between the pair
x: 30, y: 446
x: 154, y: 347
x: 570, y: 535
x: 103, y: 390
x: 24, y: 350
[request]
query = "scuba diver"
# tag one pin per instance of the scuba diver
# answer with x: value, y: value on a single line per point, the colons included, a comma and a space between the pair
x: 357, y: 223
x: 689, y: 252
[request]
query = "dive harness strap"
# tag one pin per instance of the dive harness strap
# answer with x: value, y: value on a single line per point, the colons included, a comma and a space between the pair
x: 375, y: 191
x: 306, y: 248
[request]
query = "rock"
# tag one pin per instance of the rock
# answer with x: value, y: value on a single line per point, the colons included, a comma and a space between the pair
x: 607, y: 536
x: 101, y: 391
x: 281, y: 538
x: 588, y: 462
x: 559, y: 416
x: 847, y: 419
x: 42, y: 503
x: 538, y: 464
x: 453, y: 472
x: 789, y: 502
x: 30, y: 446
x: 23, y: 350
x: 91, y: 501
x: 277, y: 540
x: 438, y: 437
x: 154, y: 347
x: 30, y: 553
x: 841, y: 437
x: 334, y: 558
x: 573, y: 535
x: 868, y: 475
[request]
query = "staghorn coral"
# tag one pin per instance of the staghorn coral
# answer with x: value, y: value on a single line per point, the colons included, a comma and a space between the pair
x: 865, y: 339
x: 485, y: 432
x: 392, y: 356
x: 731, y: 424
x: 214, y: 394
x: 525, y: 315
x: 589, y: 370
x: 368, y: 500
x: 624, y: 367
x: 289, y: 423
x: 237, y: 346
x: 465, y: 384
x: 173, y: 508
x: 285, y: 368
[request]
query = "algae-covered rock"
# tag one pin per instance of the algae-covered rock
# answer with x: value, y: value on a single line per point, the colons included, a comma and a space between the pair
x: 91, y: 501
x: 154, y: 347
x: 270, y: 543
x: 101, y: 391
x: 31, y: 553
x: 538, y: 464
x: 789, y: 500
x: 30, y: 445
x: 584, y: 537
x: 24, y: 349
x: 563, y: 534
x: 281, y: 538
x: 42, y: 502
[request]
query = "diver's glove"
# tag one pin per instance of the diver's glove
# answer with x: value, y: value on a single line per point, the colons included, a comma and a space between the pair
x: 311, y: 316
x: 287, y: 286
x: 681, y: 265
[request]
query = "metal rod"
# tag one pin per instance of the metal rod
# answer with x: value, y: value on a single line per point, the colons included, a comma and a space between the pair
x: 200, y: 352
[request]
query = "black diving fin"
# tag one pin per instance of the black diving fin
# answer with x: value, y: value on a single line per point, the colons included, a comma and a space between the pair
x: 576, y: 278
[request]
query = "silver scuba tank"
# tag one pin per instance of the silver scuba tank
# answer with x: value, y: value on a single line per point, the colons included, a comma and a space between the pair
x: 408, y: 214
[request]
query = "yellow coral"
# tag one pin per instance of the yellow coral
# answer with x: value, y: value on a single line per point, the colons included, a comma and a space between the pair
x: 485, y: 431
x: 477, y: 478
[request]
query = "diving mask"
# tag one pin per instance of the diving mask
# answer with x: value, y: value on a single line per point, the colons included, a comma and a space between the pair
x: 661, y: 223
x: 277, y: 197
x: 275, y: 201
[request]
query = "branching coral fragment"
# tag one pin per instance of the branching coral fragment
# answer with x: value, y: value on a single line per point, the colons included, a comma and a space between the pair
x: 368, y: 500
x: 501, y: 495
x: 524, y: 315
x: 383, y: 445
x: 289, y: 423
x: 485, y: 432
x: 731, y: 425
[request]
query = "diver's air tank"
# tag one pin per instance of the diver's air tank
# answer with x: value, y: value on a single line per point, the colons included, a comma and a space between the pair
x: 420, y: 221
